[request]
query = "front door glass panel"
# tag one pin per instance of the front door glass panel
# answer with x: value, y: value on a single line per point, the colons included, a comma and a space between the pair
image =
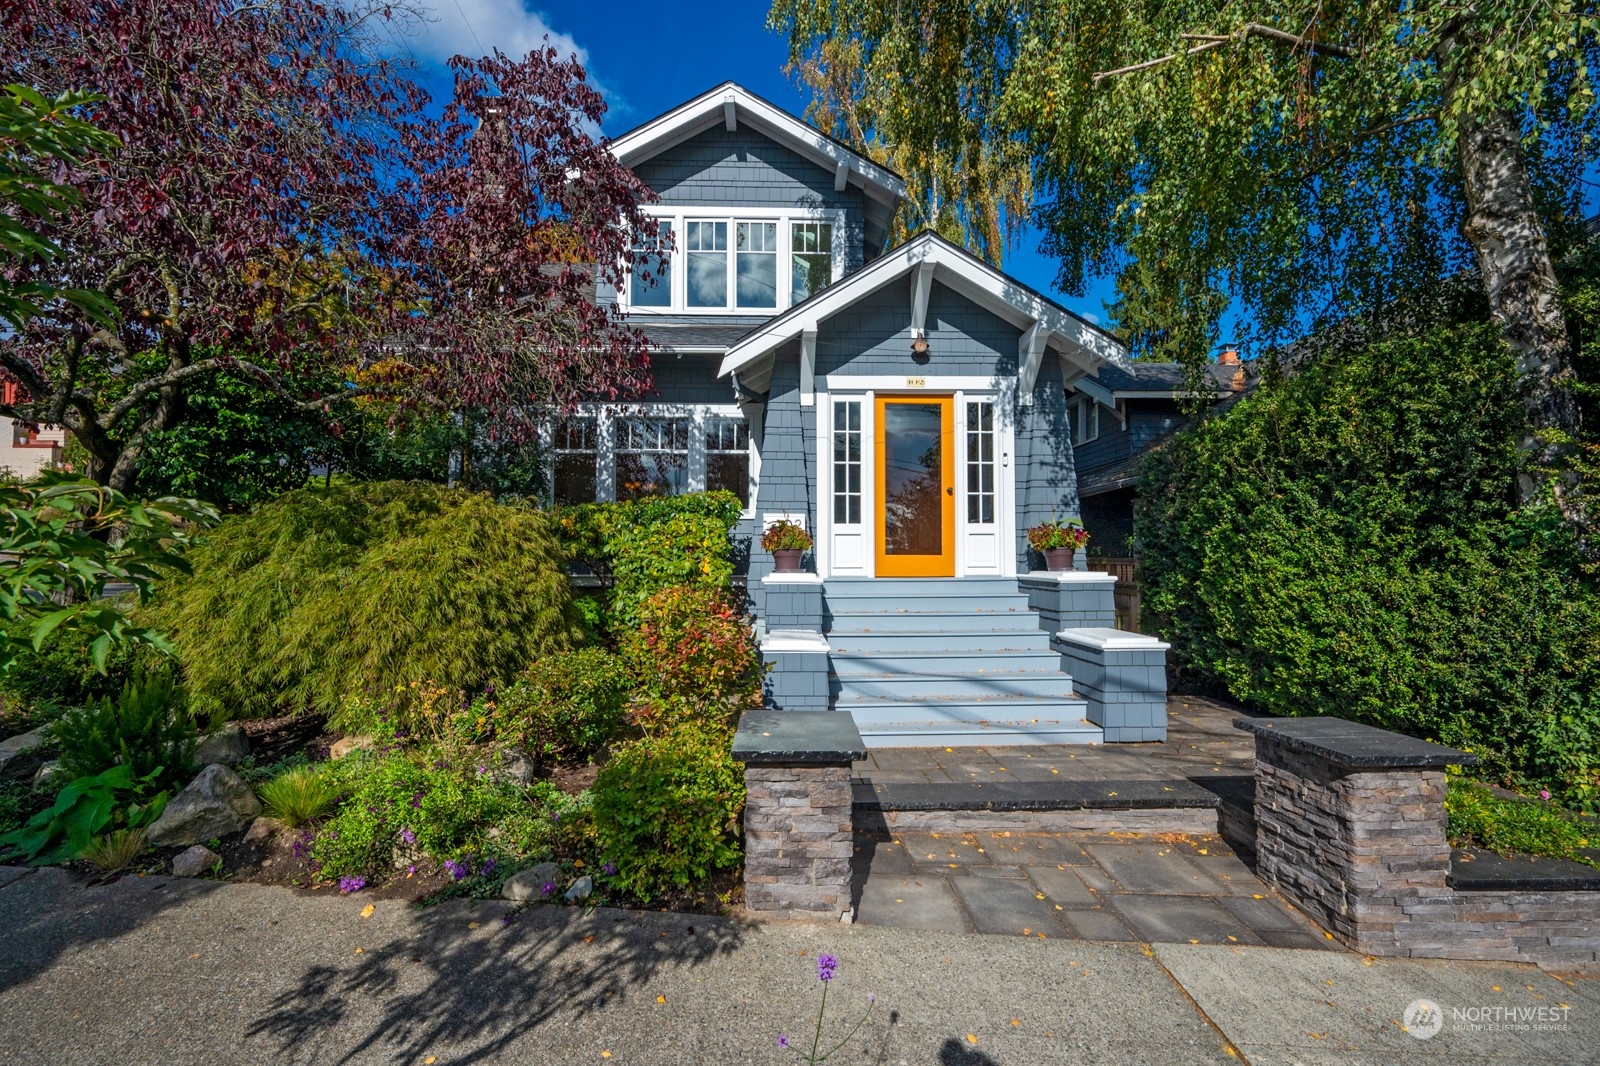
x: 913, y: 472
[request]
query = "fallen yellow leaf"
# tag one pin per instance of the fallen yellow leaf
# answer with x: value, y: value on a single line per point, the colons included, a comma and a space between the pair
x: 605, y: 1054
x: 1016, y: 1021
x: 358, y: 951
x: 1038, y: 895
x: 1257, y: 895
x: 972, y: 1038
x: 366, y: 912
x: 1203, y: 851
x: 430, y: 1060
x: 1494, y: 988
x: 577, y: 864
x: 472, y: 925
x: 661, y: 999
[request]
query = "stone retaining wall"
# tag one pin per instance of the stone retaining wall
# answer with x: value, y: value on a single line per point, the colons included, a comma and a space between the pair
x: 1353, y: 830
x: 797, y: 841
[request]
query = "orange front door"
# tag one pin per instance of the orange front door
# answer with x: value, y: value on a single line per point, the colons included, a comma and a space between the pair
x: 916, y: 505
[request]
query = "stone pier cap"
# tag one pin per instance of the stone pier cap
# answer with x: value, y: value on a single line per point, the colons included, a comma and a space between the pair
x: 1353, y: 746
x: 797, y: 738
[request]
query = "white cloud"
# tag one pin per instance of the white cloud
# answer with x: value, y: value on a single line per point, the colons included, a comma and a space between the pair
x: 1093, y: 318
x: 478, y: 27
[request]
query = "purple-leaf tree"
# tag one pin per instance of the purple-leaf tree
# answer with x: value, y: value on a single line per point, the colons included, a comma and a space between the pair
x: 285, y: 204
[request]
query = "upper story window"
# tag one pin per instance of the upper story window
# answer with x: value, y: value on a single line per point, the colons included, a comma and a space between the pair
x: 755, y: 261
x: 811, y: 266
x: 651, y: 283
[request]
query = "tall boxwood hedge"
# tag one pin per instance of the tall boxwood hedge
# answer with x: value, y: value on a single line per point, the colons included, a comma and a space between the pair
x: 1345, y: 541
x: 353, y: 590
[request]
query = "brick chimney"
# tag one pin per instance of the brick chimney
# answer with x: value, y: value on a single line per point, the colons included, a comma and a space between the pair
x: 1229, y: 358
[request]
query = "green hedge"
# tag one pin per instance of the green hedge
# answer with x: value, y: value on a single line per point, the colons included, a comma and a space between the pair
x: 351, y: 591
x: 1345, y: 541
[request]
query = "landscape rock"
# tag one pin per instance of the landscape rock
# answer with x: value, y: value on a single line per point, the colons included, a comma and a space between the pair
x: 215, y: 804
x: 194, y: 862
x: 581, y: 888
x: 529, y: 884
x: 264, y: 828
x: 11, y: 747
x: 228, y: 746
x: 46, y: 771
x: 516, y: 768
x: 345, y: 745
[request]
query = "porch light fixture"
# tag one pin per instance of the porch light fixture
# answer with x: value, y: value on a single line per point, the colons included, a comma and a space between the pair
x: 919, y: 342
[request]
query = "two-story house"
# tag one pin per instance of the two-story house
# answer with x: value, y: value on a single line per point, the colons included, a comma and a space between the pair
x: 906, y: 405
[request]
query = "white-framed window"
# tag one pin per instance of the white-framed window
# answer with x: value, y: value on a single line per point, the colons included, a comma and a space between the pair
x: 753, y: 260
x: 651, y: 281
x: 980, y: 462
x: 847, y: 462
x: 604, y: 453
x: 1083, y: 418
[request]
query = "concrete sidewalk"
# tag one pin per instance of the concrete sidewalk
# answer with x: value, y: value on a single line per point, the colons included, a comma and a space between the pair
x: 170, y: 971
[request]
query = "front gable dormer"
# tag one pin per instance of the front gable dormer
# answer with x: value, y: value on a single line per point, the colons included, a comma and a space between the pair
x: 763, y: 210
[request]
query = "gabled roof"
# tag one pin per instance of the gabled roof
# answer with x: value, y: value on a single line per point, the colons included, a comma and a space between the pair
x: 731, y: 105
x: 922, y: 260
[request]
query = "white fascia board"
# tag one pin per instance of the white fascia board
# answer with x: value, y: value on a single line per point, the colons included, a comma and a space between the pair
x: 712, y: 108
x: 961, y: 272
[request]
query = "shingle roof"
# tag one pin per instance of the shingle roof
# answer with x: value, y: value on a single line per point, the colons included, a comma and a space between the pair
x: 1141, y: 376
x: 672, y: 336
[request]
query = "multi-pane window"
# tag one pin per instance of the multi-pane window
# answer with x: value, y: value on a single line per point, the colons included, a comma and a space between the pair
x: 651, y: 285
x: 756, y: 264
x: 847, y: 462
x: 728, y: 456
x: 652, y: 456
x: 1083, y: 419
x: 811, y: 259
x: 980, y: 462
x: 706, y: 245
x: 574, y: 452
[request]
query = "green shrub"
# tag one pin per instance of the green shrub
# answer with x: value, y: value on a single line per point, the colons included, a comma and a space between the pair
x: 1345, y: 541
x: 568, y: 705
x: 300, y: 795
x: 643, y: 546
x: 325, y: 594
x: 62, y: 671
x: 667, y: 810
x: 1508, y: 826
x: 146, y: 729
x: 692, y: 645
x: 421, y: 805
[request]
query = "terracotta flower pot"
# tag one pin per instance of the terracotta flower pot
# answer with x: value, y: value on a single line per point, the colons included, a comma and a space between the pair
x: 1059, y: 559
x: 788, y: 560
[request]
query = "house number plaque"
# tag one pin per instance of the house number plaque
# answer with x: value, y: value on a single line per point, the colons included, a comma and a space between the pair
x: 916, y: 383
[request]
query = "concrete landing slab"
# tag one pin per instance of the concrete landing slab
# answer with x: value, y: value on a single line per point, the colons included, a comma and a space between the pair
x: 1291, y: 1007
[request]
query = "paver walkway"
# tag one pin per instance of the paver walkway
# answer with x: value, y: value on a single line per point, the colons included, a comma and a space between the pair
x: 1085, y: 886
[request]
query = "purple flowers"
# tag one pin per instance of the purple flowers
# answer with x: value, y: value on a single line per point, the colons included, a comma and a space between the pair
x: 1544, y: 793
x: 408, y: 836
x: 487, y: 867
x: 783, y: 1041
x: 458, y: 870
x: 548, y: 887
x: 826, y: 965
x: 352, y: 884
x: 609, y: 869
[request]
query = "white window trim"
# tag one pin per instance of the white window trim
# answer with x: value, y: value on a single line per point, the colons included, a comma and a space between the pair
x: 783, y: 216
x: 605, y: 416
x: 961, y: 389
x: 1082, y: 408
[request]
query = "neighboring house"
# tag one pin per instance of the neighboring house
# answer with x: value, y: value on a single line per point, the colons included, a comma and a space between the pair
x: 26, y: 451
x: 1118, y: 416
x: 907, y: 406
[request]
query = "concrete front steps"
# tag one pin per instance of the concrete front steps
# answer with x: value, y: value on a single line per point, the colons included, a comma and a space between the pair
x: 924, y: 662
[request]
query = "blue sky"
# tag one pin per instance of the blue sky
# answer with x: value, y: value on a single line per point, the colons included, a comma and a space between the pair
x: 648, y: 58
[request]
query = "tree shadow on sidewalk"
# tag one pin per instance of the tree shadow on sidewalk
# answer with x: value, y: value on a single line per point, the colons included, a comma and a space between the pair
x: 469, y: 993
